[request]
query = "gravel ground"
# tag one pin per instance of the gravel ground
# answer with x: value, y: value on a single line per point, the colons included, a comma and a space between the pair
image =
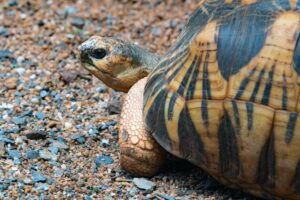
x: 58, y: 124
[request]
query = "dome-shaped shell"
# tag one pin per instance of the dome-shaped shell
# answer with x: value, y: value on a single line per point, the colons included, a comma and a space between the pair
x: 226, y: 96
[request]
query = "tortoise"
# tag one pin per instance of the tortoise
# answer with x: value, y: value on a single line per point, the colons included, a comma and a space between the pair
x: 225, y: 97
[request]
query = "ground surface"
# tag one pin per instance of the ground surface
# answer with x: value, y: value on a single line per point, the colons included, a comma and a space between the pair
x: 58, y: 124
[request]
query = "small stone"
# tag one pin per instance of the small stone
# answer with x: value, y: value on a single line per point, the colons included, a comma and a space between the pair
x: 156, y: 31
x: 101, y: 89
x: 11, y: 83
x: 37, y: 135
x: 88, y: 198
x: 79, y: 138
x: 44, y: 187
x: 20, y: 70
x: 103, y: 160
x: 47, y: 155
x: 12, y: 3
x: 132, y: 192
x: 59, y: 145
x: 39, y: 115
x: 68, y: 125
x: 53, y: 149
x: 26, y: 113
x: 37, y: 177
x: 77, y: 22
x: 32, y: 154
x: 14, y: 154
x: 19, y: 120
x: 69, y: 75
x: 144, y: 184
x: 43, y: 93
x: 27, y: 181
x: 105, y: 143
x: 35, y: 100
x: 70, y: 10
x: 19, y: 140
x: 5, y: 53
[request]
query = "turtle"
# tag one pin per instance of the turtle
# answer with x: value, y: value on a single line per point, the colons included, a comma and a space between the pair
x: 224, y: 97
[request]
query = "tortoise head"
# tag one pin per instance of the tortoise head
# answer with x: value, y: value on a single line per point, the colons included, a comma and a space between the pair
x: 118, y: 63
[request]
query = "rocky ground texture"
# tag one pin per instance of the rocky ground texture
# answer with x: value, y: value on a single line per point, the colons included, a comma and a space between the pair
x: 58, y: 124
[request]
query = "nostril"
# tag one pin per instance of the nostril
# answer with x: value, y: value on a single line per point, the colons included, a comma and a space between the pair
x: 84, y: 56
x: 98, y: 53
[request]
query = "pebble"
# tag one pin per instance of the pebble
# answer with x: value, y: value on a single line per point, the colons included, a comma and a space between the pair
x: 156, y: 31
x: 43, y: 93
x: 35, y: 100
x: 20, y: 70
x: 101, y: 89
x: 47, y: 155
x: 53, y: 149
x: 19, y: 120
x: 68, y: 125
x: 11, y: 83
x: 14, y: 154
x: 78, y: 22
x: 43, y: 187
x: 32, y: 154
x: 144, y: 184
x: 37, y: 135
x: 103, y: 160
x: 5, y: 53
x: 79, y: 138
x: 104, y: 143
x: 37, y: 177
x: 59, y: 145
x: 39, y: 115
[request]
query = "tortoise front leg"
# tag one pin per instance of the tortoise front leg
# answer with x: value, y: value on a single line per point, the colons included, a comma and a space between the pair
x: 140, y: 154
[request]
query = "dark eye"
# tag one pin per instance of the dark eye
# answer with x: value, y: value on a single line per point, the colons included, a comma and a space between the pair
x: 98, y: 53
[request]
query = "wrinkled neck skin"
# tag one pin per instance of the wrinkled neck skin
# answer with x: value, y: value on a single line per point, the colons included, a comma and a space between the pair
x: 142, y: 57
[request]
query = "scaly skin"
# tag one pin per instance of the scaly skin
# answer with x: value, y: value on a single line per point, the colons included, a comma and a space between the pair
x: 140, y: 154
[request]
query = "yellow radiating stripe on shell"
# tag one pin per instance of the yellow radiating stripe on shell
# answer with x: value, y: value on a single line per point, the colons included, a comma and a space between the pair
x: 250, y: 141
x: 287, y: 154
x: 205, y: 47
x: 172, y: 124
x: 278, y: 51
x: 208, y: 135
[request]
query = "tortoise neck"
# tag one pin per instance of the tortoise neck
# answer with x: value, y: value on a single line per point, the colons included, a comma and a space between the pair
x: 144, y: 58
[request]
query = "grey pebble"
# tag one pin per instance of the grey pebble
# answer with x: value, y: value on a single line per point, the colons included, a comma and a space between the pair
x: 19, y: 120
x: 14, y: 154
x: 59, y: 145
x: 5, y: 53
x: 156, y: 31
x: 39, y: 115
x: 53, y: 149
x: 47, y: 155
x: 44, y: 93
x: 103, y: 160
x: 77, y: 22
x: 32, y: 154
x: 79, y: 138
x: 37, y: 177
x: 144, y: 184
x: 35, y: 100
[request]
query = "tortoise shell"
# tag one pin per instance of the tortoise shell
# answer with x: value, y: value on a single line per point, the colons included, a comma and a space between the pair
x: 226, y: 96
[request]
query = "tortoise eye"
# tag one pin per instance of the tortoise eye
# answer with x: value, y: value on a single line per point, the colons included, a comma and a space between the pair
x: 99, y: 53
